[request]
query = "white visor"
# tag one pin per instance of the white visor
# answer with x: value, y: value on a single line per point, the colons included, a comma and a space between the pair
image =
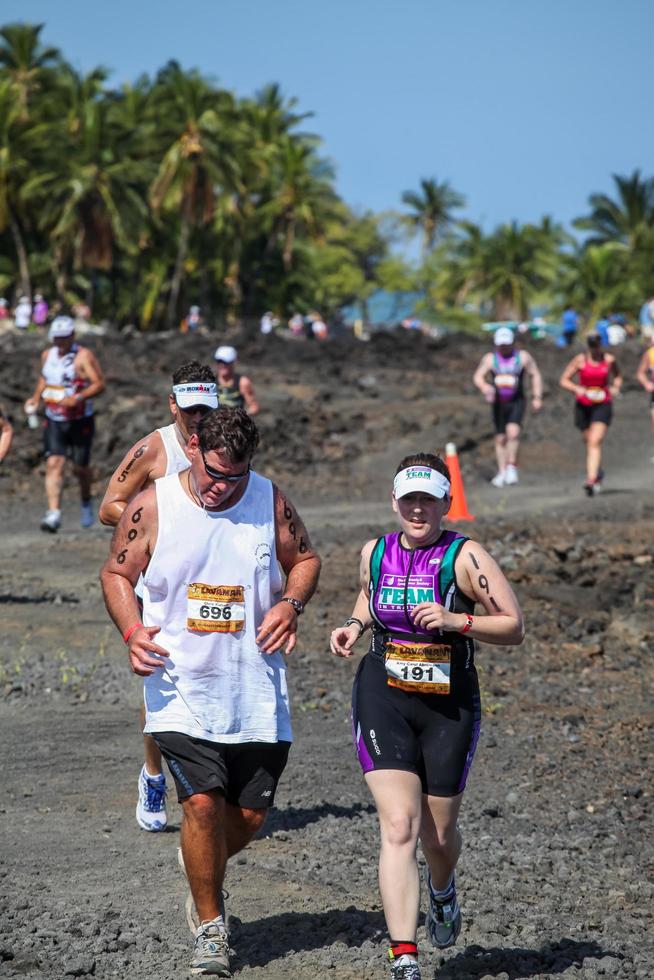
x: 196, y: 393
x: 421, y: 479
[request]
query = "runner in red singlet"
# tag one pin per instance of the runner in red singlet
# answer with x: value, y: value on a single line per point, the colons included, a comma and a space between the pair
x: 598, y: 382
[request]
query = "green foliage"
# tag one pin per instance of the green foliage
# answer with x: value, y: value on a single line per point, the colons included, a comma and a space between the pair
x: 149, y: 197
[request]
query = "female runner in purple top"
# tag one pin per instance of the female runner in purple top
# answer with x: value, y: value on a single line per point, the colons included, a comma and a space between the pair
x: 415, y: 703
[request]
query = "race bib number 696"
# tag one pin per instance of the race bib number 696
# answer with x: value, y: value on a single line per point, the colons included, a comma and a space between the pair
x: 215, y: 608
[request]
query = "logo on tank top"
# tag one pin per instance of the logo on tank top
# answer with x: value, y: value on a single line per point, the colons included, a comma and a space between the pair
x: 395, y: 591
x: 263, y: 555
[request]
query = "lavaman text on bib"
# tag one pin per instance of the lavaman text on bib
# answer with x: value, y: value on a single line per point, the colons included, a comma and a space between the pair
x: 506, y: 381
x: 416, y: 667
x: 215, y: 608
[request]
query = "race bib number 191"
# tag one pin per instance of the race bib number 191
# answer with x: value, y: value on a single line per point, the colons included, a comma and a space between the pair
x: 215, y: 608
x: 416, y: 667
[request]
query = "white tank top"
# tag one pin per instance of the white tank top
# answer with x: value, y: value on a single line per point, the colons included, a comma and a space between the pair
x: 61, y: 381
x: 176, y: 458
x: 212, y: 578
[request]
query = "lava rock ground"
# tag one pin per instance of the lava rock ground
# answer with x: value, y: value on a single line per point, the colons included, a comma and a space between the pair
x: 556, y: 874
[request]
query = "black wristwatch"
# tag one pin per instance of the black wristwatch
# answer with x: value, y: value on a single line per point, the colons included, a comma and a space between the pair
x: 296, y: 603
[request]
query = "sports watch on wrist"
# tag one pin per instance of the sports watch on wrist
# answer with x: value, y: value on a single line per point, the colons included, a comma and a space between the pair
x: 296, y: 603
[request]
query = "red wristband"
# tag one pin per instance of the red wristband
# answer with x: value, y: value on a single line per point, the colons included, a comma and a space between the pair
x: 132, y: 629
x: 468, y: 624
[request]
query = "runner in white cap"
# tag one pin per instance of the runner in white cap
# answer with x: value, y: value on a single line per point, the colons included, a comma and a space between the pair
x: 500, y: 378
x: 70, y: 378
x: 234, y: 390
x: 158, y: 454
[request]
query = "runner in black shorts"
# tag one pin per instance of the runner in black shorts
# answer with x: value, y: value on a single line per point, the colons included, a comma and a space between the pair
x: 72, y: 439
x: 415, y: 706
x: 500, y: 378
x: 595, y: 379
x: 245, y: 774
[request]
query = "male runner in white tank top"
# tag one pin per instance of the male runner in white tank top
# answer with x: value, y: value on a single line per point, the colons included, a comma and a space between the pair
x: 211, y: 543
x: 158, y: 454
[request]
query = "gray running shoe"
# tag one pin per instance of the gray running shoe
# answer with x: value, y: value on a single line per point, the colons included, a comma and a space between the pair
x: 405, y: 968
x: 211, y: 951
x: 443, y: 920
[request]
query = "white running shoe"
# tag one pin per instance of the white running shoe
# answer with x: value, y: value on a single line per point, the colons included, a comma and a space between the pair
x: 87, y: 517
x: 498, y: 480
x: 510, y: 475
x: 405, y: 968
x: 52, y: 521
x: 151, y: 807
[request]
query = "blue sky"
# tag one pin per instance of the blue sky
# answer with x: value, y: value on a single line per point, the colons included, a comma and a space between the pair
x: 525, y: 106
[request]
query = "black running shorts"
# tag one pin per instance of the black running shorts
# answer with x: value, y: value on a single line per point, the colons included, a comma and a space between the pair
x: 246, y: 774
x: 505, y: 413
x: 585, y: 415
x: 72, y: 439
x: 433, y: 735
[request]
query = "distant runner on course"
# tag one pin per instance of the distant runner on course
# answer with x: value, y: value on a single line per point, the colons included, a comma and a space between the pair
x: 646, y: 377
x: 158, y: 454
x: 415, y: 704
x: 234, y: 390
x: 500, y: 378
x: 70, y: 378
x: 227, y: 568
x: 598, y: 381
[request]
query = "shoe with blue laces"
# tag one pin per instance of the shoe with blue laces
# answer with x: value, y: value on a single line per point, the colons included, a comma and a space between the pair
x: 151, y: 807
x: 443, y: 920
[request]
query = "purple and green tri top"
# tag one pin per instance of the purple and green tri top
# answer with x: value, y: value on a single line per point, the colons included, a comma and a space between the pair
x: 401, y: 578
x: 507, y: 376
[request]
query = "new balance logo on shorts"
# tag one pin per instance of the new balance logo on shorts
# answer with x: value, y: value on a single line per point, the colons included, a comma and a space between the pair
x: 267, y: 792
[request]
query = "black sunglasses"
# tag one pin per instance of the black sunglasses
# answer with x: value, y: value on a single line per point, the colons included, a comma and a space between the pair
x: 218, y: 475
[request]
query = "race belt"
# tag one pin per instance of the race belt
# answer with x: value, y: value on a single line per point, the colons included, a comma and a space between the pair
x: 215, y: 608
x: 424, y: 668
x: 596, y: 394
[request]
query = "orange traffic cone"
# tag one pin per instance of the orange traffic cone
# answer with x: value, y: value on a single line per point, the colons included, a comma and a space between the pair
x: 459, y: 508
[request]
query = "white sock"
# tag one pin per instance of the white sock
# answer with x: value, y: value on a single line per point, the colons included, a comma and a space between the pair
x: 149, y: 775
x: 441, y: 893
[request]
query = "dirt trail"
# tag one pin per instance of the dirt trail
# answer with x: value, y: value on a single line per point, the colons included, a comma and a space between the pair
x: 556, y: 877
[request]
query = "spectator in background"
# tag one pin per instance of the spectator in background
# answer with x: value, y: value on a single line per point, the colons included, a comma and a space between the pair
x: 319, y: 329
x: 40, y: 314
x: 570, y: 324
x: 296, y: 324
x: 646, y: 318
x: 4, y: 309
x: 602, y: 331
x: 192, y: 321
x: 268, y: 322
x: 23, y: 313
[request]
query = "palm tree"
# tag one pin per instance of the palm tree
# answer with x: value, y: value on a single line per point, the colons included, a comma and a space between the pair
x: 303, y: 197
x: 626, y: 219
x: 597, y: 279
x: 198, y: 130
x: 15, y: 163
x: 25, y: 62
x: 90, y: 194
x: 508, y: 267
x: 432, y: 210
